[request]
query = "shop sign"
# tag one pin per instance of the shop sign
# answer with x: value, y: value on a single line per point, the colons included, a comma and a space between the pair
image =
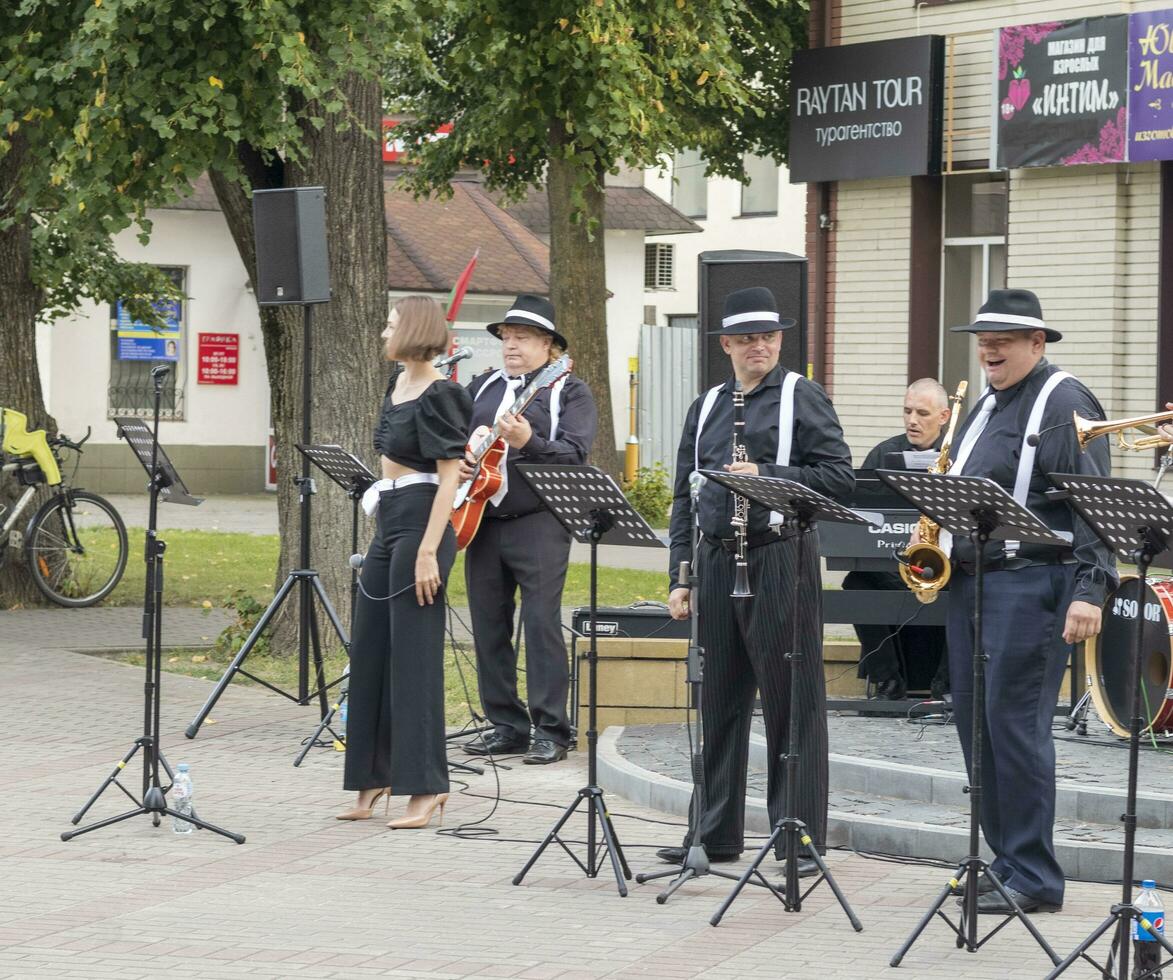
x: 1062, y: 96
x: 866, y: 110
x: 219, y: 359
x: 1150, y: 85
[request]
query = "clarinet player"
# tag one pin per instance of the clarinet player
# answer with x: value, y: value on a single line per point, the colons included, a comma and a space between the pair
x: 791, y: 431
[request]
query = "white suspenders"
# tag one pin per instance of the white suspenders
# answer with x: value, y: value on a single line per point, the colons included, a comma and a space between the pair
x: 555, y: 399
x: 1026, y: 458
x: 785, y: 425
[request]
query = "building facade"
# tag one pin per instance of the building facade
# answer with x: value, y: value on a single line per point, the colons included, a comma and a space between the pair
x: 897, y: 260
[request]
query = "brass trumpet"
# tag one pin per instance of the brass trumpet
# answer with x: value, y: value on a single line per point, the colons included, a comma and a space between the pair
x: 1086, y: 430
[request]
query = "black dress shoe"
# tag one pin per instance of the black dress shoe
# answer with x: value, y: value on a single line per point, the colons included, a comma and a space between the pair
x: 893, y: 689
x: 676, y: 855
x: 992, y: 903
x: 494, y: 743
x: 806, y: 869
x: 543, y: 752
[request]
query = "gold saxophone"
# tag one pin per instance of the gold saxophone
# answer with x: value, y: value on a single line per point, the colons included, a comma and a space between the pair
x: 927, y: 555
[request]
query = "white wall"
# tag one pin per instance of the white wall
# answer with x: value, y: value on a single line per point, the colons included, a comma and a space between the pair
x: 625, y: 314
x: 724, y: 228
x: 78, y: 359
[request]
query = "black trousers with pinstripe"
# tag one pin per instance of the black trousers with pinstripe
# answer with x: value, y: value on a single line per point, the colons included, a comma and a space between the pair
x: 745, y: 642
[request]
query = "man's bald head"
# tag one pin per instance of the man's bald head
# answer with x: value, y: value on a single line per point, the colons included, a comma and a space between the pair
x: 926, y: 410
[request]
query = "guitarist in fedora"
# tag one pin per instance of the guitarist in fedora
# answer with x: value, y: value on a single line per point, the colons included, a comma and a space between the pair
x: 519, y: 544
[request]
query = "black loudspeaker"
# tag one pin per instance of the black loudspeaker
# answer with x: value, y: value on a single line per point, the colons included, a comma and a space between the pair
x: 293, y: 267
x: 721, y: 273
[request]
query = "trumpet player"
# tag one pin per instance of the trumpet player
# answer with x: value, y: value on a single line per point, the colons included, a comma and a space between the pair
x: 1038, y: 600
x: 789, y: 430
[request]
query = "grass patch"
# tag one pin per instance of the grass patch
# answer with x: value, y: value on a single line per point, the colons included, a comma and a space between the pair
x: 212, y: 565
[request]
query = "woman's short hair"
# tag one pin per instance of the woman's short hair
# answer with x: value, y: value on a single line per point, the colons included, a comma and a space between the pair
x: 420, y: 333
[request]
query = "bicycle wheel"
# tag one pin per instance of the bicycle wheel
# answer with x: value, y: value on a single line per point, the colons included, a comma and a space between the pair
x: 76, y: 548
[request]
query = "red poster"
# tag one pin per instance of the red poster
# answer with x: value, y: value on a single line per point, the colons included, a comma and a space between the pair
x: 219, y: 359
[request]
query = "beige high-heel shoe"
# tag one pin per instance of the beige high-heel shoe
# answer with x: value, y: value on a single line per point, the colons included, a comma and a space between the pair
x: 365, y: 813
x: 424, y: 815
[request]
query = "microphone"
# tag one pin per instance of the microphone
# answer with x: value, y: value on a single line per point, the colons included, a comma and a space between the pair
x: 1035, y: 438
x: 356, y: 561
x: 925, y: 573
x: 160, y: 371
x: 695, y: 482
x: 457, y: 355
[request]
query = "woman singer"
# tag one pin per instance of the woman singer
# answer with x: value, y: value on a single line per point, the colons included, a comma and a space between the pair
x: 395, y: 732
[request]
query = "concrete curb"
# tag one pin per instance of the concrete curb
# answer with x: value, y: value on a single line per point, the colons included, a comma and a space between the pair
x: 1087, y: 861
x: 1074, y: 801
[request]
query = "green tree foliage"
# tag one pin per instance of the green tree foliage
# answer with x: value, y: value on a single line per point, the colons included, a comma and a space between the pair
x: 560, y: 93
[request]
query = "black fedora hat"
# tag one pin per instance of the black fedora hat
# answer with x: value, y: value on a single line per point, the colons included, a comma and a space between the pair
x: 1010, y: 309
x: 530, y: 311
x: 751, y: 310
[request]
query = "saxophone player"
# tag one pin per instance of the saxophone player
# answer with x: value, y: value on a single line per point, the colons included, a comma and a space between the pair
x: 893, y: 659
x: 791, y: 431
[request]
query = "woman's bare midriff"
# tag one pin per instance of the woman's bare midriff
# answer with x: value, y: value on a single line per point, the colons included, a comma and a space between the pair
x: 393, y: 470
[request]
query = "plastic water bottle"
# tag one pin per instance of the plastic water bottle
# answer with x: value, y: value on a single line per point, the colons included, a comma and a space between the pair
x: 1147, y: 952
x: 341, y: 716
x: 181, y: 794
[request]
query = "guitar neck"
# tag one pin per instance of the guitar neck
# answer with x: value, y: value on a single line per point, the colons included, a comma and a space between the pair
x: 520, y: 405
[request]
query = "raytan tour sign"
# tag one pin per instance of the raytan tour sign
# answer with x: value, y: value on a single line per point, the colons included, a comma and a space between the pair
x: 866, y: 110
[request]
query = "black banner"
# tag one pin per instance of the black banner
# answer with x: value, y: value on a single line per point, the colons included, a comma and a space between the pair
x: 1063, y: 92
x: 866, y: 110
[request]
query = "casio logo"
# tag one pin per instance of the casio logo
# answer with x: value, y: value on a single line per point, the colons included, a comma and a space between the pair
x: 893, y: 529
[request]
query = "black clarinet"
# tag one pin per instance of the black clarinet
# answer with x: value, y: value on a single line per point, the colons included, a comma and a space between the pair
x: 740, y: 520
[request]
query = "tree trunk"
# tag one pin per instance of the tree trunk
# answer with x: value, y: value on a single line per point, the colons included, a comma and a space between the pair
x: 578, y: 290
x: 20, y: 379
x: 348, y: 374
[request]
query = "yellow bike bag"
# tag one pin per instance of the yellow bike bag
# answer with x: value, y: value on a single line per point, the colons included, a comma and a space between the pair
x: 16, y: 440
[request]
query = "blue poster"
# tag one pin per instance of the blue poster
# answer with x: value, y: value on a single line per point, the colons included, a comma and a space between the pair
x: 139, y: 342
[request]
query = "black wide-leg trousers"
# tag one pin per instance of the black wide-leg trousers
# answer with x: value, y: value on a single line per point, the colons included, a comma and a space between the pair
x: 529, y: 553
x: 1022, y: 632
x: 745, y: 642
x: 395, y: 726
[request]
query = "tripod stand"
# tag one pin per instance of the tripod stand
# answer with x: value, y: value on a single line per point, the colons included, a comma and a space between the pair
x: 802, y: 506
x: 165, y: 482
x: 1134, y: 520
x: 983, y: 511
x: 305, y: 579
x: 589, y: 504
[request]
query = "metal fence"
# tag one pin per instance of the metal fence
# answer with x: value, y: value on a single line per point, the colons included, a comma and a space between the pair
x: 667, y: 386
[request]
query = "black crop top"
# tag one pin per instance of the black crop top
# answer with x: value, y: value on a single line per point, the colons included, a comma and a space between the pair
x: 433, y: 426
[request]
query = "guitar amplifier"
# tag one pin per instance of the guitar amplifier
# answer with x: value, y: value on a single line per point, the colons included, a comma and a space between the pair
x: 643, y: 620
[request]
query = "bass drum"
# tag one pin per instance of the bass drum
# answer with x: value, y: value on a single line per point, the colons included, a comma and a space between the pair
x: 1109, y: 657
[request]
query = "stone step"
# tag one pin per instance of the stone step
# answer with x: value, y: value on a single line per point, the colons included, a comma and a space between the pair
x: 871, y: 822
x: 1073, y: 801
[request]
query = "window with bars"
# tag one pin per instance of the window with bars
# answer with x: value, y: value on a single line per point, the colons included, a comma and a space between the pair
x: 131, y: 391
x: 659, y: 265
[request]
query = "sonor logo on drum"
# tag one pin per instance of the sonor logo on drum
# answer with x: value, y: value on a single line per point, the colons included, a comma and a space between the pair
x: 1126, y: 609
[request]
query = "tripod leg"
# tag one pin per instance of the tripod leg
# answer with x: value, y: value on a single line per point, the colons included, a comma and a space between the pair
x: 834, y: 886
x: 245, y: 650
x: 70, y: 834
x: 204, y: 825
x: 1022, y: 917
x: 118, y: 767
x: 618, y: 863
x: 331, y: 614
x: 1083, y: 947
x: 319, y: 666
x: 928, y: 916
x: 746, y: 875
x: 313, y: 739
x: 566, y: 815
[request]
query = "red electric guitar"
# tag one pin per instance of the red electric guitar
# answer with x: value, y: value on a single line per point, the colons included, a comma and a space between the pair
x: 487, y: 447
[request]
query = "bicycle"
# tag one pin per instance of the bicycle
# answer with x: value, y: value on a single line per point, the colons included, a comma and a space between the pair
x: 75, y: 543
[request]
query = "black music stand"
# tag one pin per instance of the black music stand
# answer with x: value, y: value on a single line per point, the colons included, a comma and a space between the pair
x: 802, y: 506
x: 978, y: 508
x: 589, y: 504
x: 164, y: 483
x: 1135, y: 520
x: 353, y: 476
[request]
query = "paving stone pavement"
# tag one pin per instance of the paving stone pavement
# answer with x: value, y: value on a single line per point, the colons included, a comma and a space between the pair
x: 308, y: 896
